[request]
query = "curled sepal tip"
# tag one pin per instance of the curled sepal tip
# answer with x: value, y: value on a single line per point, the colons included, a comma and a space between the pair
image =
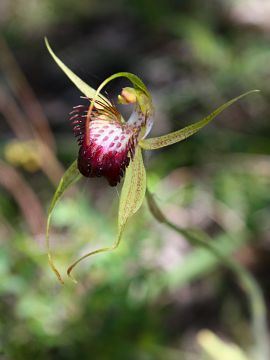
x: 131, y: 199
x: 179, y: 135
x: 70, y: 177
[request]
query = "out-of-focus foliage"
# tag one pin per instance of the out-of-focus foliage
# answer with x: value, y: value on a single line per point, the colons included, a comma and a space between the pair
x: 150, y: 298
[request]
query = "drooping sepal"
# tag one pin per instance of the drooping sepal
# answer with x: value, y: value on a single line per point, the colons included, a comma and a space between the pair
x: 70, y: 177
x: 131, y: 199
x: 133, y: 190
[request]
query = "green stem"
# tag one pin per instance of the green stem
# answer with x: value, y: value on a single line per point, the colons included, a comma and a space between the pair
x: 245, y: 278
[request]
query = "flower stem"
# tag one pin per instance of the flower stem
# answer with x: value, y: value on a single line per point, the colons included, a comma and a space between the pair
x: 246, y: 280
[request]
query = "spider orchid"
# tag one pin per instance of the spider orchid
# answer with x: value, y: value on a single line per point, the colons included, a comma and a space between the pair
x: 111, y: 147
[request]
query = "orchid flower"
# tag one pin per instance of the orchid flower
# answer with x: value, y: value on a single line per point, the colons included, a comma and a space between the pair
x: 111, y: 147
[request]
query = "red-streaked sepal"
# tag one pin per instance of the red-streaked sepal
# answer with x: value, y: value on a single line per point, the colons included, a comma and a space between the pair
x: 179, y: 135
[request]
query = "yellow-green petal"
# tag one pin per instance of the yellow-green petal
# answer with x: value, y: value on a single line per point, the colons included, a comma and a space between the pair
x: 132, y: 195
x: 179, y: 135
x: 70, y: 177
x: 144, y: 100
x: 80, y: 84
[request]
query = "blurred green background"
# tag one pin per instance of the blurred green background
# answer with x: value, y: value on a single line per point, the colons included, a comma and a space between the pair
x: 153, y: 297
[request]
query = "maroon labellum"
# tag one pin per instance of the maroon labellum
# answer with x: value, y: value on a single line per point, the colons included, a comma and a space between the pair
x: 110, y: 143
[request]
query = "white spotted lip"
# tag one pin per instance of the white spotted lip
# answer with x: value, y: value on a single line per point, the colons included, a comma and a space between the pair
x: 111, y: 143
x: 109, y: 151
